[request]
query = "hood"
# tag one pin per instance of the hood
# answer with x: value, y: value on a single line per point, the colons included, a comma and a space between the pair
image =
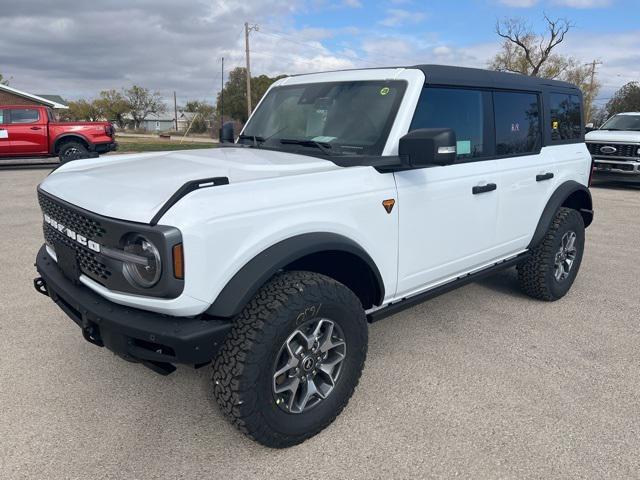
x: 134, y: 187
x: 612, y: 136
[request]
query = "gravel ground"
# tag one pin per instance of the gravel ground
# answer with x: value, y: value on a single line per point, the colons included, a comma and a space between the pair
x: 479, y: 383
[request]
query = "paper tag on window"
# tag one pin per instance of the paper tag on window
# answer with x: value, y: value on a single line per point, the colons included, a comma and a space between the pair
x: 4, y: 134
x: 323, y: 139
x: 463, y: 147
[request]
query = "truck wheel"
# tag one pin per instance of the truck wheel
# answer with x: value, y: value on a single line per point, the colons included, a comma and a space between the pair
x: 292, y: 360
x: 72, y: 151
x: 554, y: 263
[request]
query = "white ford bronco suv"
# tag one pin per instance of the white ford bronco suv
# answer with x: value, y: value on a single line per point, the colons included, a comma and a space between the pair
x: 615, y: 148
x: 348, y: 197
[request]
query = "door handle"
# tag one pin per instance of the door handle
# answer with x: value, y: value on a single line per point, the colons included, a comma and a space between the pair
x: 35, y: 128
x: 489, y: 187
x: 544, y: 176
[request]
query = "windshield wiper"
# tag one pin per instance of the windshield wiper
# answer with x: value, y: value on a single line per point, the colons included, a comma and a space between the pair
x: 255, y: 138
x: 323, y: 147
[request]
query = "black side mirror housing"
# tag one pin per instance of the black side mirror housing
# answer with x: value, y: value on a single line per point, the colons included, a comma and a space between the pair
x: 226, y: 133
x: 428, y: 146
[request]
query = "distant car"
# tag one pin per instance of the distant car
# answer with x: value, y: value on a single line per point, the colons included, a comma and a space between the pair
x: 32, y: 131
x: 615, y: 148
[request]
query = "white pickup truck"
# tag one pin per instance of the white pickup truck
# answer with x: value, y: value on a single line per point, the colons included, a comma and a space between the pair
x: 615, y: 148
x: 348, y: 197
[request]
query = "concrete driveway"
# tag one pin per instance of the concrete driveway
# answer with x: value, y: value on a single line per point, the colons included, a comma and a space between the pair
x: 479, y: 383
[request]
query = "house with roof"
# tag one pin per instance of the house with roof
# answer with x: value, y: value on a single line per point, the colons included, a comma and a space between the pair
x: 13, y: 96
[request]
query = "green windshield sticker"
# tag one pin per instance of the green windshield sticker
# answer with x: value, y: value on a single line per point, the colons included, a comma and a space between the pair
x: 384, y: 90
x: 463, y: 147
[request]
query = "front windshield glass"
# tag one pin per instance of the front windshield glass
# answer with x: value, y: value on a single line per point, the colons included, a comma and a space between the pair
x: 337, y: 118
x: 622, y: 122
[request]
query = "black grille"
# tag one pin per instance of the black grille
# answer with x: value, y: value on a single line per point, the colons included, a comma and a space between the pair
x: 622, y: 150
x: 74, y: 220
x: 89, y: 262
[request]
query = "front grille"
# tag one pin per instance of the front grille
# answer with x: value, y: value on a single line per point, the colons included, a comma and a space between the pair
x: 622, y: 150
x: 89, y: 262
x: 72, y: 219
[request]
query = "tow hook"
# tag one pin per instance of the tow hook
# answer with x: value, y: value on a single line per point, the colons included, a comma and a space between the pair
x: 41, y: 286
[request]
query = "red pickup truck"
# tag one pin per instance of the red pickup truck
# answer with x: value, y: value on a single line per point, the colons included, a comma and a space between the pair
x: 29, y: 131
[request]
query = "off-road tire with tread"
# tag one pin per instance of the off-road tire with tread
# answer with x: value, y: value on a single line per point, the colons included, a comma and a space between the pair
x: 536, y: 273
x: 243, y: 369
x: 83, y: 151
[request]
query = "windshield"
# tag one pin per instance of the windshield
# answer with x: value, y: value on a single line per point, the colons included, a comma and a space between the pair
x: 337, y: 118
x: 622, y: 122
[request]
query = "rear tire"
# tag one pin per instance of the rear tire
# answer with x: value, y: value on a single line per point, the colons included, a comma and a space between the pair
x: 302, y: 333
x: 72, y: 151
x: 553, y: 265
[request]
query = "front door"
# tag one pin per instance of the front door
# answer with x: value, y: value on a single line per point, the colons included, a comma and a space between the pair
x: 27, y: 131
x: 448, y: 215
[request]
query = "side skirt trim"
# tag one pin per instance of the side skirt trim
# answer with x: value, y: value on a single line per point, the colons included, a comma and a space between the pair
x: 409, y: 302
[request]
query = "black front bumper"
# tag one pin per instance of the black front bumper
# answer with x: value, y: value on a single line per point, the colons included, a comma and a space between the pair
x: 154, y: 339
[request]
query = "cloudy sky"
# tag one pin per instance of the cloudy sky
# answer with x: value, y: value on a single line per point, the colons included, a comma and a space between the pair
x: 76, y: 48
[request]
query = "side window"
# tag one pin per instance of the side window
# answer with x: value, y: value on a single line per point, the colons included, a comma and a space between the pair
x: 565, y: 117
x: 1, y: 117
x: 24, y: 115
x: 517, y: 122
x: 459, y: 109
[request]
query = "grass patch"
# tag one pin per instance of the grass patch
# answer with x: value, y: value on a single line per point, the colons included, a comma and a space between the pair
x: 140, y: 145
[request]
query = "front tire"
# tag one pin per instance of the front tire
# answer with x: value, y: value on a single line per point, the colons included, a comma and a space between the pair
x: 72, y: 151
x: 292, y: 360
x: 553, y: 265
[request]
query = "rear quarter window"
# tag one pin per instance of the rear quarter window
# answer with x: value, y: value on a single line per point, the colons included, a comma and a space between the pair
x: 566, y: 123
x: 1, y: 116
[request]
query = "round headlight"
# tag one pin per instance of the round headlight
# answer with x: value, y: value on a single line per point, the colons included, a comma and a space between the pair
x: 144, y: 276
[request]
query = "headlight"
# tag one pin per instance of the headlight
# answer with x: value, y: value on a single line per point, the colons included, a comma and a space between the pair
x: 145, y: 276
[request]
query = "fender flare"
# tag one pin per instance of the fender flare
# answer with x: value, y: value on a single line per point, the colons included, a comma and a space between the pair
x: 582, y: 203
x: 253, y: 275
x: 61, y: 138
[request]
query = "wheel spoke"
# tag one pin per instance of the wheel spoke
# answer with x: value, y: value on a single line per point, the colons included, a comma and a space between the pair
x: 308, y: 391
x: 290, y: 385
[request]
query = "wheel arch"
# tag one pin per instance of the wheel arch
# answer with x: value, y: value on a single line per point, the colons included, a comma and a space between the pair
x: 328, y: 254
x: 570, y: 194
x: 70, y: 137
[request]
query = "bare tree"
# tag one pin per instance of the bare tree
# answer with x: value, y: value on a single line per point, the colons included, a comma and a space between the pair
x: 527, y: 52
x: 142, y: 103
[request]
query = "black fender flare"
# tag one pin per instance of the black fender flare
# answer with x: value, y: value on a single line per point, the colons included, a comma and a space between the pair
x: 569, y: 193
x: 71, y: 136
x: 253, y: 275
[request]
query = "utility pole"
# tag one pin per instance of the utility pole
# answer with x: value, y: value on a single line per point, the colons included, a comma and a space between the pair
x: 247, y: 30
x: 593, y: 64
x: 175, y: 109
x: 222, y: 96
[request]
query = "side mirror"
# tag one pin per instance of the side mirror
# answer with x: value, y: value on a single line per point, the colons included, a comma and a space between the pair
x: 589, y: 127
x: 226, y: 133
x: 428, y: 146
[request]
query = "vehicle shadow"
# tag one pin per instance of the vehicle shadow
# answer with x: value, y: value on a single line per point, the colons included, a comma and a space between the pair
x: 505, y: 282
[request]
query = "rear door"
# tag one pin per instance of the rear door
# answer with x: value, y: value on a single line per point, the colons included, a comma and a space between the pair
x: 4, y: 135
x: 27, y: 131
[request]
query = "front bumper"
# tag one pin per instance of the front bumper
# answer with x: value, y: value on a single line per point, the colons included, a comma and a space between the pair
x: 156, y: 340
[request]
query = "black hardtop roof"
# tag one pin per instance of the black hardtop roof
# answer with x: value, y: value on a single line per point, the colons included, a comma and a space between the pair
x: 463, y: 76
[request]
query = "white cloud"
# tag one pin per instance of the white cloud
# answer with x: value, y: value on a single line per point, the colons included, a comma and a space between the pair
x: 518, y: 3
x: 353, y: 3
x: 397, y: 17
x: 584, y: 3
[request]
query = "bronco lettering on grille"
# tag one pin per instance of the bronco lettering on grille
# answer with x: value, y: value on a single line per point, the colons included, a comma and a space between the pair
x: 80, y: 239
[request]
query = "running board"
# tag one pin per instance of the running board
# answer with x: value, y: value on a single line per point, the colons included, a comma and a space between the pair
x: 409, y: 302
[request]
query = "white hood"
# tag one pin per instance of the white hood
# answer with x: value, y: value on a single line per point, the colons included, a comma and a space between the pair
x: 134, y: 187
x: 603, y: 136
